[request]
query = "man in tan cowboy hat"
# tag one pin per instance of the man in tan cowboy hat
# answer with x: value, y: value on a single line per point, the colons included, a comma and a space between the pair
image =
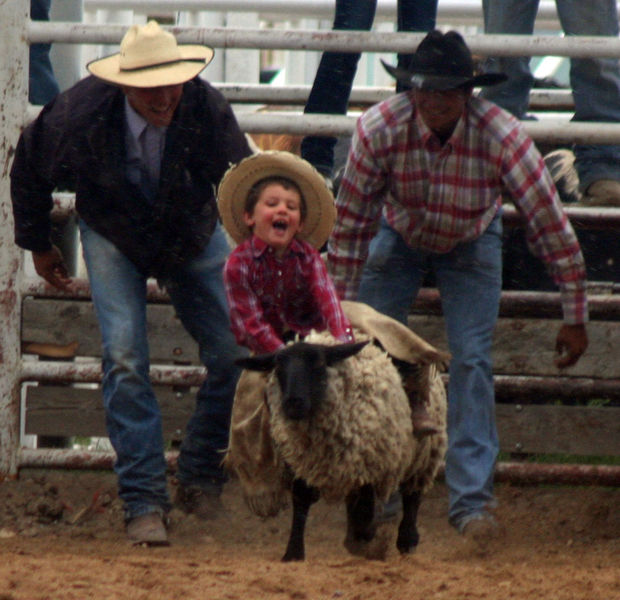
x: 143, y: 141
x: 422, y: 193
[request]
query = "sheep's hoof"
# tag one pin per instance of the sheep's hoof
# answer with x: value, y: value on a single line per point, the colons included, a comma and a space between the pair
x: 406, y: 549
x: 293, y: 556
x: 356, y: 540
x: 407, y: 546
x: 375, y: 548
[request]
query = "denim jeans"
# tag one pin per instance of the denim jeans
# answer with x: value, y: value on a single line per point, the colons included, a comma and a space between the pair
x: 469, y: 282
x: 133, y: 416
x: 42, y: 85
x: 595, y: 81
x: 334, y: 78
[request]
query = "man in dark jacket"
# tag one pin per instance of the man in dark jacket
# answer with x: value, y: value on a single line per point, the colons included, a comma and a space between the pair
x: 143, y: 141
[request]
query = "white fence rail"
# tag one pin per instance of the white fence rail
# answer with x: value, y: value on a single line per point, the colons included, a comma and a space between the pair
x: 342, y: 41
x: 460, y: 12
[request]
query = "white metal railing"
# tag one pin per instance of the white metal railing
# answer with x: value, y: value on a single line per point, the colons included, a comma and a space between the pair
x: 552, y: 131
x: 342, y: 41
x: 555, y: 131
x: 558, y: 131
x: 461, y: 12
x: 364, y: 95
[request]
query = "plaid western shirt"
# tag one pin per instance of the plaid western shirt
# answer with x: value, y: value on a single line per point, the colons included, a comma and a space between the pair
x: 439, y: 196
x: 268, y: 295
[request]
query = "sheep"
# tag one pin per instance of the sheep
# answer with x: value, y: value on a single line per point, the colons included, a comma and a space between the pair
x: 340, y: 429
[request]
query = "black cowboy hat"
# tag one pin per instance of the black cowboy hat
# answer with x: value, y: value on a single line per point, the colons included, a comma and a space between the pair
x: 442, y: 62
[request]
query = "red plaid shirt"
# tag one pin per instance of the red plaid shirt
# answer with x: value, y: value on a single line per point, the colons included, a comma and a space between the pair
x: 269, y: 296
x: 437, y: 197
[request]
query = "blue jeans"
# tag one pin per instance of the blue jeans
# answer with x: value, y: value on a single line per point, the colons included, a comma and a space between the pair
x: 469, y: 282
x: 595, y: 81
x: 133, y: 416
x: 42, y: 85
x: 334, y: 77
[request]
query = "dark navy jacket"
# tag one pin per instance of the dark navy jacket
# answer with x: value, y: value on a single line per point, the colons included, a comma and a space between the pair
x: 78, y: 143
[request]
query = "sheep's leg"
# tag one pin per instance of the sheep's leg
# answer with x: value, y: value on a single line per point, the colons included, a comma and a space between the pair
x: 361, y: 526
x: 408, y: 536
x: 303, y: 498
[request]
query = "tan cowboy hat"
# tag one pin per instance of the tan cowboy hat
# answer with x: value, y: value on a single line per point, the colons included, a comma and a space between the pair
x: 151, y: 57
x: 240, y: 178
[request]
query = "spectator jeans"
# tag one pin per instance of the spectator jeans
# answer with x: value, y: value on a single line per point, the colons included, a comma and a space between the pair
x: 334, y: 78
x: 595, y: 82
x: 42, y: 82
x: 469, y: 281
x: 133, y: 416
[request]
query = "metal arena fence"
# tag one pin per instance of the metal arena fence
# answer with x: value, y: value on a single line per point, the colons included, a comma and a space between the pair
x: 18, y: 31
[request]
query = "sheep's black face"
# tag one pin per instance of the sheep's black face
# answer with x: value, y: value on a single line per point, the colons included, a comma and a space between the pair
x: 301, y: 370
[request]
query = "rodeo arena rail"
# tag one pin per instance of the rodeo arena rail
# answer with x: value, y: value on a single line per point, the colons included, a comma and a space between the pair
x: 49, y: 340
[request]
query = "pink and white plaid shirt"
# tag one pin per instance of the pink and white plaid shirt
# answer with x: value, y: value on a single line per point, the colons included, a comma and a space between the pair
x: 268, y: 296
x: 437, y: 197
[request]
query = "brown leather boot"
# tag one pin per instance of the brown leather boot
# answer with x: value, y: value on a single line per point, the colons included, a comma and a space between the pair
x: 148, y: 530
x: 204, y: 503
x: 422, y: 422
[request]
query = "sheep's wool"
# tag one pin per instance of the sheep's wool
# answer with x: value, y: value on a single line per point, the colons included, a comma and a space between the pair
x: 361, y: 433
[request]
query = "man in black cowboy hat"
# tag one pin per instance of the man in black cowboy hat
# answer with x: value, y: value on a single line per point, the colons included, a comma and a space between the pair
x: 422, y: 192
x: 143, y: 142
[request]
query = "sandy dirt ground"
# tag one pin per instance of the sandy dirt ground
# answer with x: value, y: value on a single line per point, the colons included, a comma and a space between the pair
x: 61, y: 537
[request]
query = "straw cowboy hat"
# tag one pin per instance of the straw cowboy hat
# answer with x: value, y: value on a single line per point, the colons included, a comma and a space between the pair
x: 240, y: 178
x: 151, y: 57
x: 442, y: 62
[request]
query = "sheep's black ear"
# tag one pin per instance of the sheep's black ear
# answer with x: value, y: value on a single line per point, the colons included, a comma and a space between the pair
x: 334, y: 354
x: 261, y: 362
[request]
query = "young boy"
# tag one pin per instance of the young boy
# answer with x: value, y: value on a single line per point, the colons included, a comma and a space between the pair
x: 279, y: 210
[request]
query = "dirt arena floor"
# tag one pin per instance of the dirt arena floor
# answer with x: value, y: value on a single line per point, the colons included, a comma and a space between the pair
x: 61, y: 537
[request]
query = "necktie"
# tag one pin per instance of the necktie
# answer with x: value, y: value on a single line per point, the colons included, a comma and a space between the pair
x: 151, y: 144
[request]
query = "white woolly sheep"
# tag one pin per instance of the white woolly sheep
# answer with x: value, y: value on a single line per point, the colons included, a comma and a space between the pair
x: 340, y: 420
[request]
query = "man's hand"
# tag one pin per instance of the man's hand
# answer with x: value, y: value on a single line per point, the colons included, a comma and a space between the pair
x: 570, y: 344
x: 51, y: 266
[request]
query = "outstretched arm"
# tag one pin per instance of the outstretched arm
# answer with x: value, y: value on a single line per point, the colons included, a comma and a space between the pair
x: 324, y: 293
x: 50, y: 265
x: 247, y: 319
x: 570, y: 344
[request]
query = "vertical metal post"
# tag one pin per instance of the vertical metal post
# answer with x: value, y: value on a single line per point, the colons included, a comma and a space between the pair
x: 242, y: 65
x: 14, y: 16
x: 67, y: 64
x: 67, y: 58
x: 208, y: 19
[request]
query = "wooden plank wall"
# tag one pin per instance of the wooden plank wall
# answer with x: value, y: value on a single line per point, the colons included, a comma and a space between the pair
x: 524, y: 347
x: 65, y: 321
